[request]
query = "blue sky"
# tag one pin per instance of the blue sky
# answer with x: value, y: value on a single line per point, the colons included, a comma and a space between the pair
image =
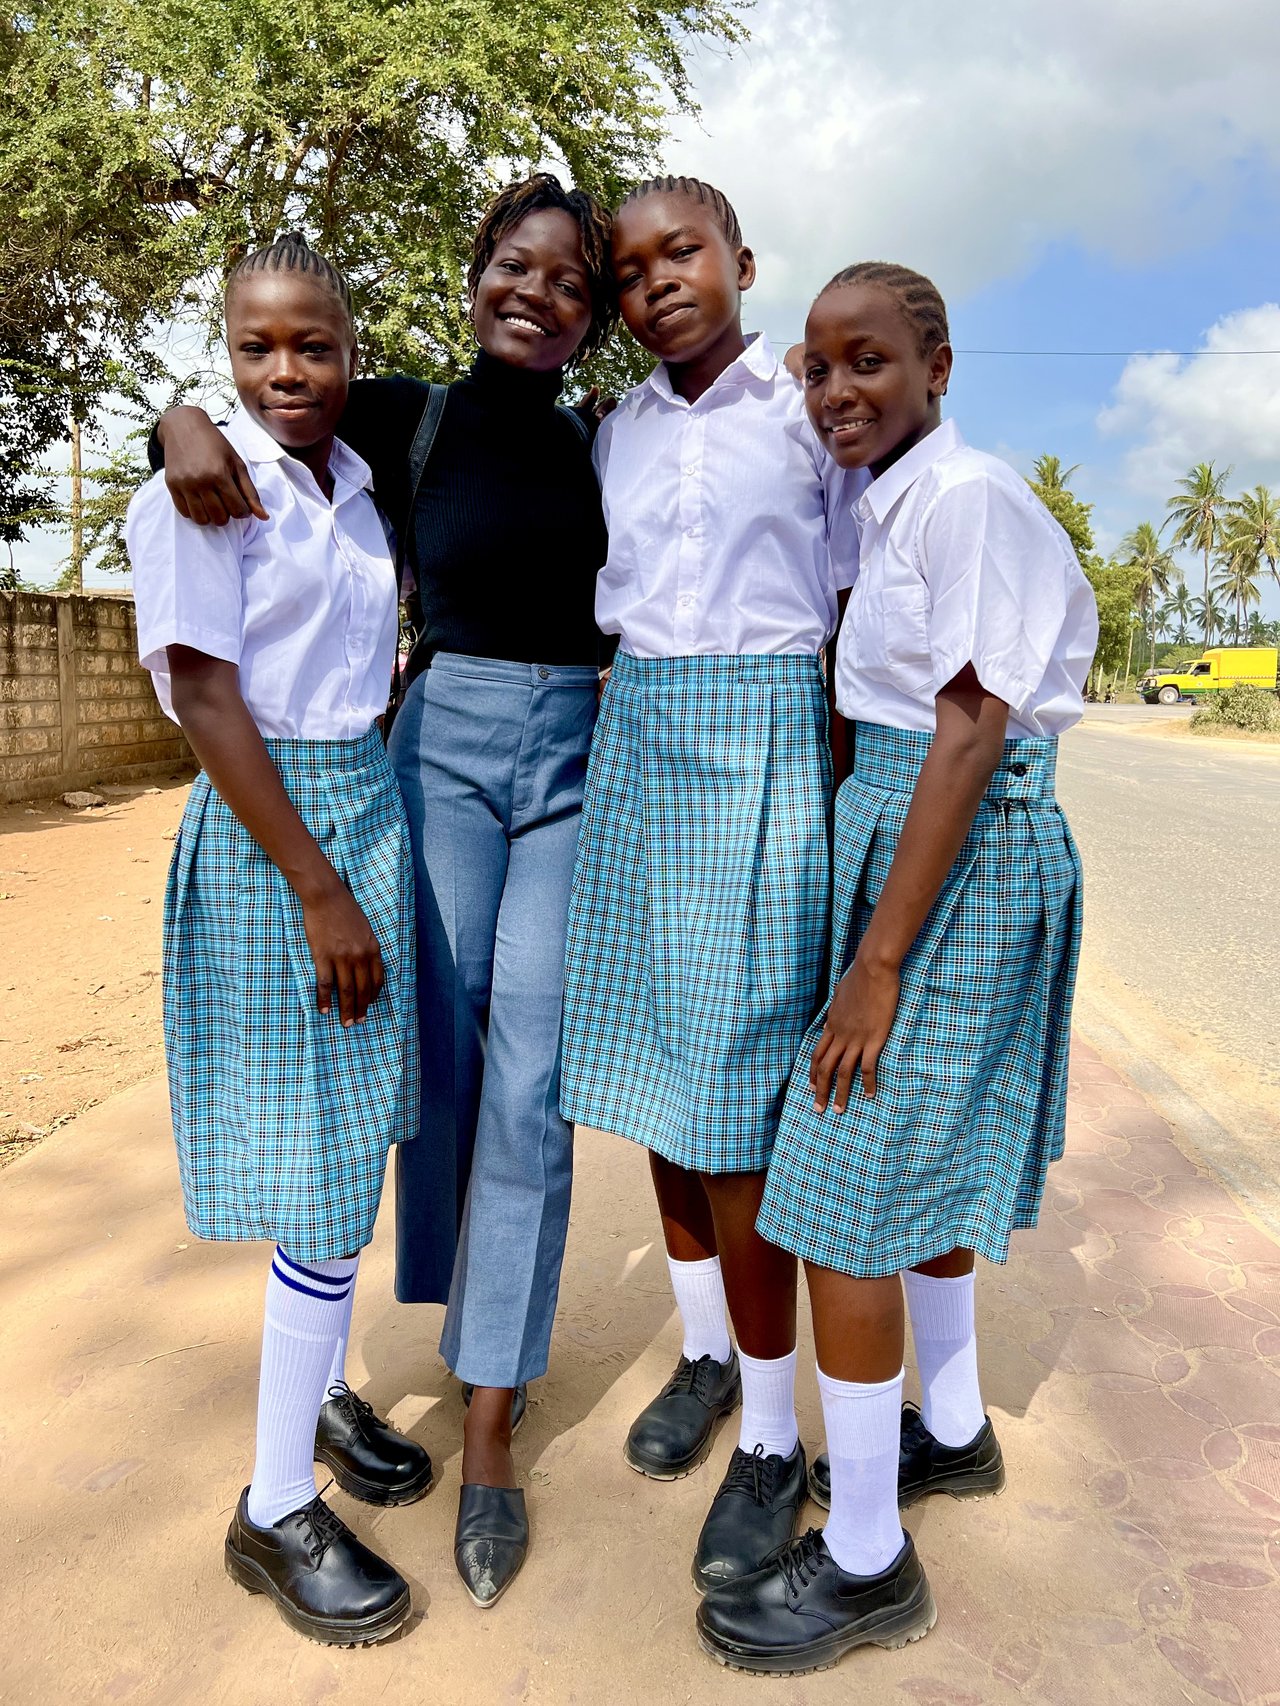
x: 1098, y: 176
x: 1091, y: 177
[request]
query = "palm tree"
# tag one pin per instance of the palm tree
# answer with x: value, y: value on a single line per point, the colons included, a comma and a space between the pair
x: 1237, y: 577
x: 1177, y: 612
x: 1194, y: 512
x: 1208, y: 613
x: 1141, y: 550
x: 1255, y: 516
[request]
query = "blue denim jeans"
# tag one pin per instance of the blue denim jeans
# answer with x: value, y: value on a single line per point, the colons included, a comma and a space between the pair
x: 491, y: 758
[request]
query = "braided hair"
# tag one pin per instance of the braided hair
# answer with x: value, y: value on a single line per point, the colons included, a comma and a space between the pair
x: 292, y: 253
x: 595, y: 226
x: 918, y: 298
x: 707, y: 194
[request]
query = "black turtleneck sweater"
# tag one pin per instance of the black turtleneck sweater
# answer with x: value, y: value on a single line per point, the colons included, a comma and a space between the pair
x: 507, y: 534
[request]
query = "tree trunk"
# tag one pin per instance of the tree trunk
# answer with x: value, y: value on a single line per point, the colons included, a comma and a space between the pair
x: 1128, y: 656
x: 77, y: 508
x: 1206, y: 598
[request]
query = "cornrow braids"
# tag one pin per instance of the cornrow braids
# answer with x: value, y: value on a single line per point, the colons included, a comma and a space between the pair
x: 292, y: 253
x: 595, y: 228
x: 707, y: 194
x: 917, y: 296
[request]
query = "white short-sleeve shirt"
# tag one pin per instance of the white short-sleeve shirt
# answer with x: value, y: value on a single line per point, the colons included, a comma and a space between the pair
x: 959, y: 563
x: 305, y: 602
x: 730, y: 528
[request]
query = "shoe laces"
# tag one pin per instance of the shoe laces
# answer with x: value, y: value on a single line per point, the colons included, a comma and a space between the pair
x: 802, y: 1560
x: 359, y: 1413
x: 754, y: 1474
x: 694, y: 1377
x: 324, y: 1526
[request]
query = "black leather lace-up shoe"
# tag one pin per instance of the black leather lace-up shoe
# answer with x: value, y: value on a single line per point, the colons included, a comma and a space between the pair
x: 491, y: 1540
x: 672, y: 1435
x: 752, y: 1516
x: 324, y: 1582
x: 926, y: 1466
x: 368, y: 1458
x: 802, y: 1612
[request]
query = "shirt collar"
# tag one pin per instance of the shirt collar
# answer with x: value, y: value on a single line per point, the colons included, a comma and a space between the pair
x: 884, y: 492
x: 256, y: 444
x: 757, y: 361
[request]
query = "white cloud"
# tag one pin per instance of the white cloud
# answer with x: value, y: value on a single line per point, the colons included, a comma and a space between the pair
x: 1203, y: 408
x: 962, y: 139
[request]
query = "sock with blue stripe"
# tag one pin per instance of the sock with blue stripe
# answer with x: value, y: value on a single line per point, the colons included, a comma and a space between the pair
x: 308, y: 1307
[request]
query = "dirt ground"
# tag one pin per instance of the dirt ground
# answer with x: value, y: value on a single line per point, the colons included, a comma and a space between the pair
x: 81, y: 896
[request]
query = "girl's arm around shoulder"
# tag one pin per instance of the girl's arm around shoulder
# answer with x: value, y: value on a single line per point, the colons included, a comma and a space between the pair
x: 225, y: 738
x: 953, y: 778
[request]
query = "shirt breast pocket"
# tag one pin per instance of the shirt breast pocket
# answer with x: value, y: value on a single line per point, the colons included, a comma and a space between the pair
x: 892, y: 637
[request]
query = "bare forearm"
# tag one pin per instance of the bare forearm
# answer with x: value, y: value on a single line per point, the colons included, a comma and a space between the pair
x: 227, y: 743
x: 952, y: 781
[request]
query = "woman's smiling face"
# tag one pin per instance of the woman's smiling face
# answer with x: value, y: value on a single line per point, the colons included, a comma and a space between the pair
x: 532, y: 304
x: 870, y: 392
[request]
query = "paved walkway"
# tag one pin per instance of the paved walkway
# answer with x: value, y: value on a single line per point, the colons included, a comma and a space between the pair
x: 1131, y: 1354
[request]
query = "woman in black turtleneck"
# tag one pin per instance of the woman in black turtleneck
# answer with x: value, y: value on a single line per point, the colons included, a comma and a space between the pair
x: 504, y: 540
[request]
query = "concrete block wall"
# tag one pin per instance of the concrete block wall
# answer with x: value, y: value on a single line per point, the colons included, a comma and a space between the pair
x: 76, y: 707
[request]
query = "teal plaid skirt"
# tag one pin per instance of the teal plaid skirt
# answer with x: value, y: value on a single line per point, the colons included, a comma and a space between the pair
x: 698, y: 926
x: 972, y: 1085
x: 283, y: 1116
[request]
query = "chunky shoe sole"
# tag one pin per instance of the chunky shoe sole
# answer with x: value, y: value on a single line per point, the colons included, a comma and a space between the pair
x: 376, y: 1493
x: 893, y: 1627
x: 677, y: 1471
x: 969, y: 1484
x: 330, y: 1632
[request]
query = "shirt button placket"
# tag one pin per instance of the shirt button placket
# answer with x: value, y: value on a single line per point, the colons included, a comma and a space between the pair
x: 690, y: 513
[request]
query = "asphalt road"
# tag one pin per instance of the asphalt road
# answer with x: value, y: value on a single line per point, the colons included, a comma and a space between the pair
x: 1181, y: 847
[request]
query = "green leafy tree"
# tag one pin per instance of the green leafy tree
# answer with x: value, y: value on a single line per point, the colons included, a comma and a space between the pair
x: 1141, y: 550
x: 1071, y: 514
x: 1176, y: 613
x: 1236, y: 577
x: 1209, y: 616
x: 1115, y: 589
x: 1195, y: 513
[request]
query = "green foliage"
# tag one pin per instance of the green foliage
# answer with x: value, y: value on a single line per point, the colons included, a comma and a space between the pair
x: 1255, y: 709
x: 1071, y: 514
x: 1141, y: 550
x: 1195, y: 512
x: 1115, y: 588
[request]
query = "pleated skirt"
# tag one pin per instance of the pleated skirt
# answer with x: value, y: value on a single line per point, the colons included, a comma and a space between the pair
x: 970, y: 1107
x: 282, y: 1116
x: 698, y: 923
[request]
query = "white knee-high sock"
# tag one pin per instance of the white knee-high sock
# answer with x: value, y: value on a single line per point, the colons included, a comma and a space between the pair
x: 699, y: 1289
x: 338, y: 1368
x: 946, y: 1354
x: 305, y: 1309
x: 768, y: 1404
x: 863, y: 1532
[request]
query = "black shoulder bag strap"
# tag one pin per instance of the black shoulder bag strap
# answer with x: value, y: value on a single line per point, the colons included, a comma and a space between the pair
x: 419, y: 451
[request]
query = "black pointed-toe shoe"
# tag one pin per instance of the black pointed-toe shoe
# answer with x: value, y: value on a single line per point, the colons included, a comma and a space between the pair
x: 324, y: 1582
x: 671, y: 1436
x: 802, y: 1612
x: 926, y: 1466
x: 367, y: 1457
x: 752, y: 1516
x: 519, y: 1403
x: 491, y: 1540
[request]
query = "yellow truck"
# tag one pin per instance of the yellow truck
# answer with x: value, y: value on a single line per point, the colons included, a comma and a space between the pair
x: 1224, y: 666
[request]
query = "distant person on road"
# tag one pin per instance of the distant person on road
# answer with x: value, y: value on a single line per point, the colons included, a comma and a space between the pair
x: 488, y: 483
x: 698, y: 931
x: 289, y: 1006
x: 930, y: 1095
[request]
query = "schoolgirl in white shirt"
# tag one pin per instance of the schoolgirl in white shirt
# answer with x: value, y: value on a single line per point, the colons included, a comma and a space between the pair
x: 930, y: 1096
x: 698, y: 926
x: 289, y: 1000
